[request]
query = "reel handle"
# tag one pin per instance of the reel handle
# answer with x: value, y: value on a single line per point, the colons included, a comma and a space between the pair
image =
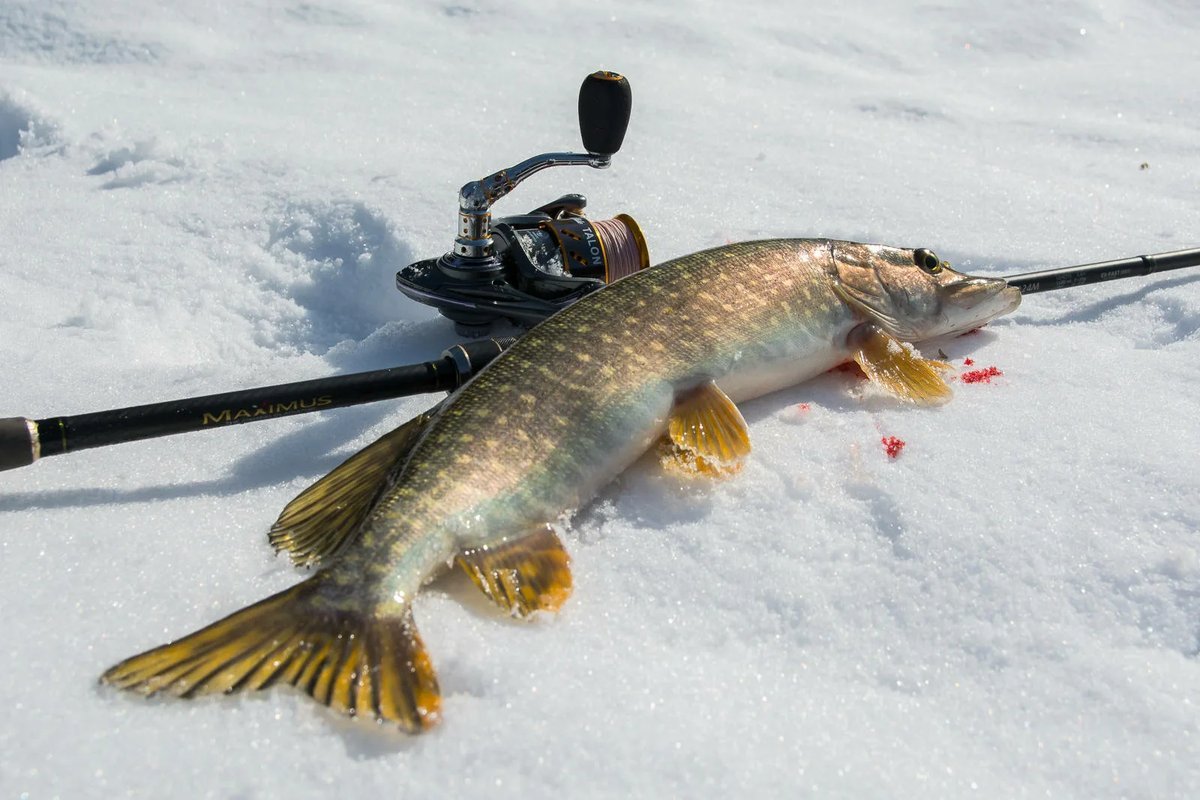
x: 604, y: 104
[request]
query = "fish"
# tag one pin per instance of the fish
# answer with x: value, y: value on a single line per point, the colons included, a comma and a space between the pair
x: 661, y: 356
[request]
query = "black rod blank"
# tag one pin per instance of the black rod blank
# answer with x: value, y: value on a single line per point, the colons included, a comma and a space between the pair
x: 23, y: 441
x: 1068, y: 277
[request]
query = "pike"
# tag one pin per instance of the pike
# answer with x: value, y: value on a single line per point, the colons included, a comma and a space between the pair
x: 477, y: 480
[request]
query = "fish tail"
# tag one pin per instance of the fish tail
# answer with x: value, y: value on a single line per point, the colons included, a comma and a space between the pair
x: 357, y: 661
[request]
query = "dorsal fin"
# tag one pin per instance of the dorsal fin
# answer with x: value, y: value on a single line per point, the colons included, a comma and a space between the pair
x: 324, y: 518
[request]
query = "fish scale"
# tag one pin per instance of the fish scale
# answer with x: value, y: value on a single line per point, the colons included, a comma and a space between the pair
x: 662, y: 355
x: 535, y: 432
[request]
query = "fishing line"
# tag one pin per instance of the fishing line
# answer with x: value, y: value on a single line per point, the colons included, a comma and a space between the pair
x: 623, y: 255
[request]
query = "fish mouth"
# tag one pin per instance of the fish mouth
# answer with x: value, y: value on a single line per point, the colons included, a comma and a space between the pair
x: 972, y: 302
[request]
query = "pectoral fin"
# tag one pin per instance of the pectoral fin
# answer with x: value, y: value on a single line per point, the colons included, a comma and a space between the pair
x: 324, y: 518
x: 897, y: 367
x: 523, y: 575
x: 706, y: 434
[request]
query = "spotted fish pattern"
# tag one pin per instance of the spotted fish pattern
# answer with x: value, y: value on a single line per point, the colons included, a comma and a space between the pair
x: 660, y: 356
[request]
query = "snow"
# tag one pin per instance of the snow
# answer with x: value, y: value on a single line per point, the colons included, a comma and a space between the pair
x: 204, y: 197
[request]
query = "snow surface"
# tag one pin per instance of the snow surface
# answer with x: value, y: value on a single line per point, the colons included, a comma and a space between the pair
x: 208, y: 196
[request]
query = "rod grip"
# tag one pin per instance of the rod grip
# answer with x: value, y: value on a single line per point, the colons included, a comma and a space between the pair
x: 18, y: 442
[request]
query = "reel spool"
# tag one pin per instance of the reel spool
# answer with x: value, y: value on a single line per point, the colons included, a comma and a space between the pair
x: 524, y: 268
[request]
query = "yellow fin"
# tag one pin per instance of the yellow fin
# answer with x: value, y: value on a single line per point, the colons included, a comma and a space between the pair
x: 897, y: 368
x: 324, y: 518
x: 706, y: 434
x: 522, y: 575
x: 355, y: 661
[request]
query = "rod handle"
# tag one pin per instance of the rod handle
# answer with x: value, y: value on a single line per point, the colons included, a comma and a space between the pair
x: 18, y: 442
x: 604, y: 104
x: 22, y: 443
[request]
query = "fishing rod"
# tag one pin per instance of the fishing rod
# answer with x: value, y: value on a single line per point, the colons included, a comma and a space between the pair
x: 23, y: 441
x: 518, y: 269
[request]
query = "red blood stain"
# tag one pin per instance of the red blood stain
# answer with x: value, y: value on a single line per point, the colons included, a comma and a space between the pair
x: 803, y: 407
x: 852, y: 368
x: 973, y: 331
x: 968, y: 361
x: 892, y: 445
x: 981, y: 375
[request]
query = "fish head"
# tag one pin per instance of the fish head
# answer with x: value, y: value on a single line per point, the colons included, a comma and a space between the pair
x: 913, y: 294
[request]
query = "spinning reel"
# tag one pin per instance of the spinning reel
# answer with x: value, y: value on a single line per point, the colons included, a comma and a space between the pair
x: 524, y: 268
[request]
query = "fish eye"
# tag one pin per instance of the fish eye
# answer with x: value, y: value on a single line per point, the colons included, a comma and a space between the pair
x: 927, y: 260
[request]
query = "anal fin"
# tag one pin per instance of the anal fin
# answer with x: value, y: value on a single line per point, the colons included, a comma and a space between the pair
x: 897, y: 368
x: 523, y: 575
x: 323, y: 518
x: 706, y: 434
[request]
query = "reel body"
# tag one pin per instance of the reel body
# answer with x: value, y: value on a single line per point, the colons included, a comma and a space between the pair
x: 543, y: 261
x: 524, y: 268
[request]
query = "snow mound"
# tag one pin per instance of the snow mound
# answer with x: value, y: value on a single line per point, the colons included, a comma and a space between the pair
x: 22, y: 128
x: 338, y: 261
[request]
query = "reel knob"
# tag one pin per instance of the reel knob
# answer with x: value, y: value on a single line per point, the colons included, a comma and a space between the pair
x: 604, y: 103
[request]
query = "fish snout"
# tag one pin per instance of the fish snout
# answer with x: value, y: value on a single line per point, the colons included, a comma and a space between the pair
x: 974, y: 301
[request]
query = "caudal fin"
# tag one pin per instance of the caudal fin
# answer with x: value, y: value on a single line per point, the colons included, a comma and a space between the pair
x: 357, y: 663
